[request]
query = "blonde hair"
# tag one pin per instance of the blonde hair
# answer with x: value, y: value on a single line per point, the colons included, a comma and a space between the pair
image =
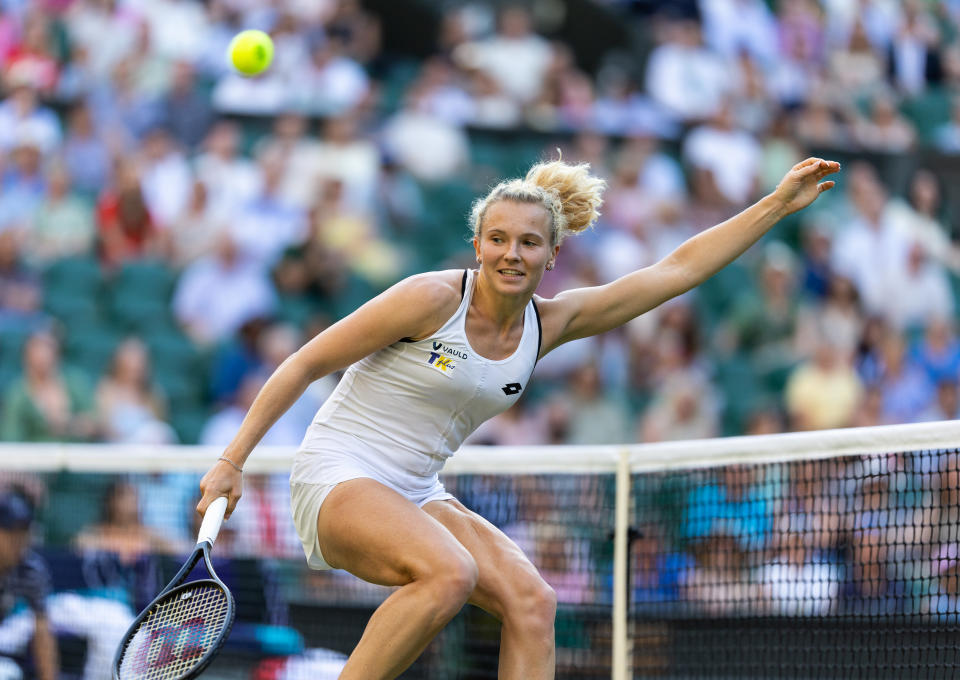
x: 569, y: 193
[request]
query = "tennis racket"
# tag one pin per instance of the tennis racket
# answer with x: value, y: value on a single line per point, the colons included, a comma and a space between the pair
x: 182, y: 630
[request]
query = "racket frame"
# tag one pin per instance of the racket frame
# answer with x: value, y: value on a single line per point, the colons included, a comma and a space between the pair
x: 177, y: 584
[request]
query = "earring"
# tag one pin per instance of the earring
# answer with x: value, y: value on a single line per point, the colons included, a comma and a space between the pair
x: 549, y: 266
x: 479, y: 261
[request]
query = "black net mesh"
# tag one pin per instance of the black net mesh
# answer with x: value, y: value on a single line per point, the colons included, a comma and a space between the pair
x: 841, y: 568
x: 114, y: 540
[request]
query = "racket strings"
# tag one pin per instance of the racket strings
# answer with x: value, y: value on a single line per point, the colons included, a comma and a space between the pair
x: 176, y: 635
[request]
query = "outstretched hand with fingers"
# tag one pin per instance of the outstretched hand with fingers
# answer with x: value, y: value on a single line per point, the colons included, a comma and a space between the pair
x: 801, y: 185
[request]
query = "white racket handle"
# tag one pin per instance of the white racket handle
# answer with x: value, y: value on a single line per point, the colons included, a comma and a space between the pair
x: 212, y: 519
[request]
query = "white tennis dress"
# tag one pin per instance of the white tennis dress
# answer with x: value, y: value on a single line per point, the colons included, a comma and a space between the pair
x: 399, y: 413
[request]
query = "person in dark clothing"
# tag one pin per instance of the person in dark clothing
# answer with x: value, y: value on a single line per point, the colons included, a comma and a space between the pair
x: 24, y: 580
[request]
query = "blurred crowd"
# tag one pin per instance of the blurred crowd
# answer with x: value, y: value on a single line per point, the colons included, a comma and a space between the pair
x: 169, y: 230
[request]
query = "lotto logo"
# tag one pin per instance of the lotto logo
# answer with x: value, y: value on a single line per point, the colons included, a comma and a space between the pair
x: 511, y: 389
x: 441, y: 362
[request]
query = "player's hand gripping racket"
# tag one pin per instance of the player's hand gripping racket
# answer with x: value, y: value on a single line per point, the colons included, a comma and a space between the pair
x: 179, y: 633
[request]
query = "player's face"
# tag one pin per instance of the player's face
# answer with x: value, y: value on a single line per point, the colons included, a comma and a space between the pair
x: 514, y: 246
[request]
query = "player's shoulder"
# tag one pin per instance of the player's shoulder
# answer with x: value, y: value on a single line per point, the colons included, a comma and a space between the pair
x: 433, y: 290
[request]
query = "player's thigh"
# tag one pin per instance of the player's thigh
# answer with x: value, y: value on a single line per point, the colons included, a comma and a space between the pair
x: 378, y: 535
x: 506, y: 577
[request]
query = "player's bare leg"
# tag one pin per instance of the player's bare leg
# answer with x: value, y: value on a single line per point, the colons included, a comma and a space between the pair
x: 510, y: 588
x: 381, y: 537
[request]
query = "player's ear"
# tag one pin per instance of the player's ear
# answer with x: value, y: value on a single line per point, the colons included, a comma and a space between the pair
x: 476, y: 247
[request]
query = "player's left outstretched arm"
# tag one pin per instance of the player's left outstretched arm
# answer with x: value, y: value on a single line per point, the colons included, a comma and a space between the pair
x: 583, y: 312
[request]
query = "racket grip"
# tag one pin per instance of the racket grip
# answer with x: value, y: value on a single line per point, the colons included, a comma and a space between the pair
x: 212, y: 519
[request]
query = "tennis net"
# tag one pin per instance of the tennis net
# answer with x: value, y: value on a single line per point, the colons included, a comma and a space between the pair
x: 817, y: 555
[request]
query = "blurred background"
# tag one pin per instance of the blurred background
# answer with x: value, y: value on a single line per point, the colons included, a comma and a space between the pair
x: 171, y: 231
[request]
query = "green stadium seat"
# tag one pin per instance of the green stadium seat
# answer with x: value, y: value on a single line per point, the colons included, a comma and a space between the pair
x: 80, y: 275
x: 928, y: 111
x: 188, y: 421
x: 153, y: 279
x: 91, y: 348
x: 68, y: 307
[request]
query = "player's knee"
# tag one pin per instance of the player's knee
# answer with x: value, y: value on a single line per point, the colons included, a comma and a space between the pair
x: 454, y: 580
x: 461, y: 576
x: 535, y: 606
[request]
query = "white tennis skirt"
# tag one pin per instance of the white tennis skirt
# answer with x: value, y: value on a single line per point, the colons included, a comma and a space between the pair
x: 316, y: 472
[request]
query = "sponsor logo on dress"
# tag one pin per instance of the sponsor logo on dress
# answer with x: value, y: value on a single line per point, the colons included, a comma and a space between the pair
x: 440, y: 347
x: 512, y: 388
x: 443, y: 364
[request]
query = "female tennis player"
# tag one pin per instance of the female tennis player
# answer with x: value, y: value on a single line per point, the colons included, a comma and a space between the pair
x: 429, y: 360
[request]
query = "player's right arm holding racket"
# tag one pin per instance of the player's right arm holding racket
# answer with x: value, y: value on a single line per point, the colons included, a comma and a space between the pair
x: 412, y: 308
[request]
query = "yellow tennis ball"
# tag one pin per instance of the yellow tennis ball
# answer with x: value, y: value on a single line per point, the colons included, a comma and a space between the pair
x: 251, y: 52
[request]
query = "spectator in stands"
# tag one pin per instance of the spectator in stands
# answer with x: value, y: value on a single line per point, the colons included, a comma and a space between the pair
x: 869, y: 250
x: 837, y: 315
x: 185, y: 111
x: 764, y: 318
x: 344, y: 154
x: 22, y: 186
x: 855, y: 68
x: 905, y: 388
x: 130, y: 409
x: 680, y: 409
x: 687, y: 79
x: 412, y: 129
x: 330, y: 82
x: 817, y: 124
x: 727, y: 521
x: 24, y: 577
x: 824, y: 392
x: 515, y: 57
x: 593, y: 417
x: 122, y: 114
x: 125, y: 226
x: 709, y: 147
x: 63, y: 224
x: 268, y: 224
x: 734, y: 27
x: 922, y: 216
x: 566, y: 99
x: 106, y: 30
x: 20, y: 289
x: 914, y: 51
x: 352, y: 235
x: 290, y: 141
x: 166, y: 178
x: 921, y: 294
x: 230, y: 180
x: 564, y: 562
x: 801, y: 52
x: 85, y: 153
x: 119, y: 552
x: 194, y: 233
x: 797, y: 581
x: 47, y: 403
x: 938, y: 351
x: 22, y: 116
x: 946, y: 137
x: 946, y: 405
x: 216, y: 294
x: 884, y: 129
